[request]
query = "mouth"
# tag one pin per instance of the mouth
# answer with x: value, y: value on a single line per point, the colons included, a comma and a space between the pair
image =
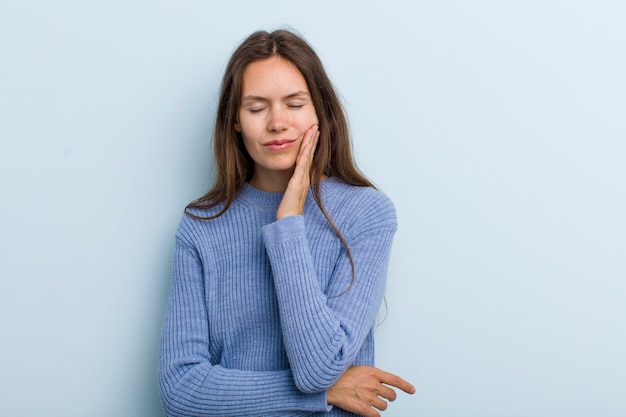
x: 280, y: 144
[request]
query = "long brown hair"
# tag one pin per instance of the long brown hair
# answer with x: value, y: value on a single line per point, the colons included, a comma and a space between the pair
x: 333, y: 155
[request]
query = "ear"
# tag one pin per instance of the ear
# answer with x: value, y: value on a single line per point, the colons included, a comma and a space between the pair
x: 237, y: 127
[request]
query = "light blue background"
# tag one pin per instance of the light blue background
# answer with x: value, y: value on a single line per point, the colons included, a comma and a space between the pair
x: 497, y: 127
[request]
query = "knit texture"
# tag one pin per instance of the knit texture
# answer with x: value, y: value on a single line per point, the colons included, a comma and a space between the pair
x: 263, y: 314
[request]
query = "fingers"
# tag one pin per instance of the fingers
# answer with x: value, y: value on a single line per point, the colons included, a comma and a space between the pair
x: 395, y: 381
x: 365, y: 389
x: 387, y: 393
x: 370, y: 412
x: 307, y: 149
x: 312, y: 134
x: 379, y: 403
x: 315, y: 138
x: 295, y: 195
x: 306, y: 153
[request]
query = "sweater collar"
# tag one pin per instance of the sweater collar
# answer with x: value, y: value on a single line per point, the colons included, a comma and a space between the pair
x: 257, y: 197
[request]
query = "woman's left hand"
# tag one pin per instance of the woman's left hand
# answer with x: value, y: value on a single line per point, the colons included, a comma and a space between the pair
x: 298, y: 186
x: 364, y: 389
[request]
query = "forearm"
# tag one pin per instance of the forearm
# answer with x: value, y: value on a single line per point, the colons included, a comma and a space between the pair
x: 323, y: 334
x: 203, y: 390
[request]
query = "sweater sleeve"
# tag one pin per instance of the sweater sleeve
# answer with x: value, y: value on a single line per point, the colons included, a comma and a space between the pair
x: 191, y: 384
x: 324, y: 331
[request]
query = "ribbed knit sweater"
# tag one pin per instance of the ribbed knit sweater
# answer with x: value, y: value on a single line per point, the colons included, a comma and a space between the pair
x: 263, y: 314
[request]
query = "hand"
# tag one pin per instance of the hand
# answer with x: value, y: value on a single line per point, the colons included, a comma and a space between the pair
x: 361, y: 387
x: 298, y: 186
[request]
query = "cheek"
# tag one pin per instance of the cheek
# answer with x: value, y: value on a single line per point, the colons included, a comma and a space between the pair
x: 311, y: 119
x: 247, y: 127
x: 248, y: 144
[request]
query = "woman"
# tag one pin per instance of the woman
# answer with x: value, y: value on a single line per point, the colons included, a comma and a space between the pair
x: 279, y: 270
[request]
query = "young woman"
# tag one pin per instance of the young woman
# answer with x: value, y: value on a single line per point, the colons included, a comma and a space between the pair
x: 279, y: 270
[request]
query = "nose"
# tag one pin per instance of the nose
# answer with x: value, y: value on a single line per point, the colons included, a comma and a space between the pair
x: 277, y: 121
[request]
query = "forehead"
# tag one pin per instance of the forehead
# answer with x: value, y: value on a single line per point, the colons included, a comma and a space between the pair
x: 271, y: 77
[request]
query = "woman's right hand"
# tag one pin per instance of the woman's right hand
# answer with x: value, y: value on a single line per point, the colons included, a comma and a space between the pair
x: 363, y: 389
x: 298, y: 186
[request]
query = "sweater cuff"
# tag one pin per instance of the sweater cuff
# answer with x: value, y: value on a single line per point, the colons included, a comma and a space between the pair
x: 285, y: 229
x: 319, y: 401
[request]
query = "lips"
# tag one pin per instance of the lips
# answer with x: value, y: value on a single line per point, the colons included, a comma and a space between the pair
x: 279, y: 145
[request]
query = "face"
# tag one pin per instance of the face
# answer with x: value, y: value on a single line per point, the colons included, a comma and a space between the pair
x: 276, y: 110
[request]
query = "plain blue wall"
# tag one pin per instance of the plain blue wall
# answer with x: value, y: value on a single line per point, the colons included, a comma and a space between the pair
x: 498, y: 129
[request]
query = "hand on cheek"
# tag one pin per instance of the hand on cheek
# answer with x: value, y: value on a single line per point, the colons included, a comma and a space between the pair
x: 295, y: 195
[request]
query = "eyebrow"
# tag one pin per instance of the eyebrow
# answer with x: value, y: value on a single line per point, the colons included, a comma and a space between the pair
x: 287, y: 97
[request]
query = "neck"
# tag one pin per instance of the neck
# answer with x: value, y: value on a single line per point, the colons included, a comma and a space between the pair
x: 272, y: 181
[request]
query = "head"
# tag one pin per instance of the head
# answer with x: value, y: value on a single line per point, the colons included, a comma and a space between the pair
x: 275, y: 114
x: 333, y: 155
x: 234, y: 165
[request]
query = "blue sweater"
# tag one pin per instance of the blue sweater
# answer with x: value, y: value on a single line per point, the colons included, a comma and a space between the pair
x: 263, y: 315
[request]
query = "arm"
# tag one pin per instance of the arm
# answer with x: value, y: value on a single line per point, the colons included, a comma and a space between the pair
x: 324, y: 333
x: 191, y: 385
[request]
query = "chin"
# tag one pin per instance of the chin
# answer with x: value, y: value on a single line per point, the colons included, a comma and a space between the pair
x: 282, y: 165
x: 282, y: 168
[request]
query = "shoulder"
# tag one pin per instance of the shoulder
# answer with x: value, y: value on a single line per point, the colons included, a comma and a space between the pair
x: 196, y: 223
x: 358, y: 208
x: 360, y: 200
x: 204, y: 226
